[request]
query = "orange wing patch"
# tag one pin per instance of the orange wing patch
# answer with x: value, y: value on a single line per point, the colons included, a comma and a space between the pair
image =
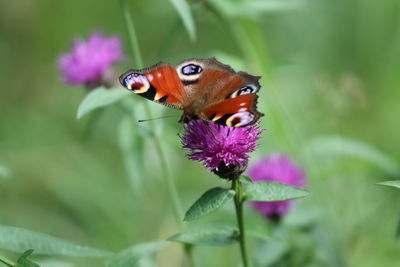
x: 159, y: 83
x: 239, y: 111
x: 167, y: 83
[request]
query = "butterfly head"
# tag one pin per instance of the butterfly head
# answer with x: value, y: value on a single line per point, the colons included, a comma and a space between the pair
x: 186, y: 118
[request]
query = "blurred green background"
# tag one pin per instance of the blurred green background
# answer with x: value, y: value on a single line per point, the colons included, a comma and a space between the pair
x: 330, y: 92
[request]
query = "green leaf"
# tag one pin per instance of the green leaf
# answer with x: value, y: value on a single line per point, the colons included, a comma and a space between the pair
x: 208, y: 202
x: 20, y: 240
x: 23, y: 261
x: 274, y: 5
x: 214, y: 235
x: 337, y: 146
x: 131, y: 144
x: 254, y: 8
x: 245, y: 179
x: 100, y: 97
x: 132, y: 256
x: 395, y: 183
x: 272, y: 191
x: 183, y: 9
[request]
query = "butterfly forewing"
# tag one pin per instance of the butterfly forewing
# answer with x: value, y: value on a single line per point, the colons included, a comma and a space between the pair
x: 159, y: 83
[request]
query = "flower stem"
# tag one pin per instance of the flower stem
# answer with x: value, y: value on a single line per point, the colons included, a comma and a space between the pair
x: 238, y: 187
x: 137, y: 59
x: 133, y: 40
x: 173, y: 193
x: 6, y: 261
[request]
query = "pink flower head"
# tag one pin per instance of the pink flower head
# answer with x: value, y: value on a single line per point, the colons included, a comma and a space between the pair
x: 276, y: 168
x: 214, y: 144
x: 90, y: 60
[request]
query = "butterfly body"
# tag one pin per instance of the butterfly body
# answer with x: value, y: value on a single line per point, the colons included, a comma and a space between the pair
x: 203, y: 88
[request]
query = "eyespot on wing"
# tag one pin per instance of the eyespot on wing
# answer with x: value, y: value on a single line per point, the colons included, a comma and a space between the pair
x: 236, y: 112
x: 136, y: 82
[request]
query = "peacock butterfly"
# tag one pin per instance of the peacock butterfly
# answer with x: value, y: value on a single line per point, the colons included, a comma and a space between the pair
x: 203, y: 88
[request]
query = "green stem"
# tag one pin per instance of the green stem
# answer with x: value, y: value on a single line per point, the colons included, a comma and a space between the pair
x: 133, y: 40
x: 173, y: 193
x: 189, y: 255
x: 6, y: 261
x: 238, y: 187
x: 138, y: 62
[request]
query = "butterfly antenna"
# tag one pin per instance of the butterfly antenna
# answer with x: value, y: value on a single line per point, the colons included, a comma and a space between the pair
x: 163, y: 117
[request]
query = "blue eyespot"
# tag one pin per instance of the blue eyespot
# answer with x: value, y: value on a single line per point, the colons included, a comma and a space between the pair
x: 191, y: 69
x: 245, y: 90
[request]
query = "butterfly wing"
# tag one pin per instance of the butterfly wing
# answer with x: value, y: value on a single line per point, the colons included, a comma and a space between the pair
x: 159, y: 83
x: 235, y: 112
x: 215, y: 92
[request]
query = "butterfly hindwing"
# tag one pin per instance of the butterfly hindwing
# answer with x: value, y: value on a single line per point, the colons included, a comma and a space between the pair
x: 159, y: 83
x: 235, y: 112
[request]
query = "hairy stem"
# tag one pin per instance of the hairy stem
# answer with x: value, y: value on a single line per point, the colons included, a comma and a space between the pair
x: 238, y: 187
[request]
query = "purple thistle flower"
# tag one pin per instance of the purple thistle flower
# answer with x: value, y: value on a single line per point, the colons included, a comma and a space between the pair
x: 218, y: 146
x: 276, y: 168
x: 90, y: 60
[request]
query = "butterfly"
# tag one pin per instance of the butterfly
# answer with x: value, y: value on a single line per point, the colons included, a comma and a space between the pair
x: 204, y: 89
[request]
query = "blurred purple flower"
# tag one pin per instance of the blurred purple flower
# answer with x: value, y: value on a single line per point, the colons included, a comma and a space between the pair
x: 90, y: 60
x: 276, y: 168
x: 217, y: 145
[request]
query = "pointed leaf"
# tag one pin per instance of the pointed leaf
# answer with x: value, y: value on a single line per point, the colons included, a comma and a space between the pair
x: 132, y: 256
x: 395, y: 183
x: 20, y: 240
x: 272, y: 191
x: 274, y: 5
x: 216, y: 235
x: 183, y: 9
x: 23, y: 261
x: 254, y: 8
x: 100, y: 97
x: 208, y: 202
x: 25, y: 255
